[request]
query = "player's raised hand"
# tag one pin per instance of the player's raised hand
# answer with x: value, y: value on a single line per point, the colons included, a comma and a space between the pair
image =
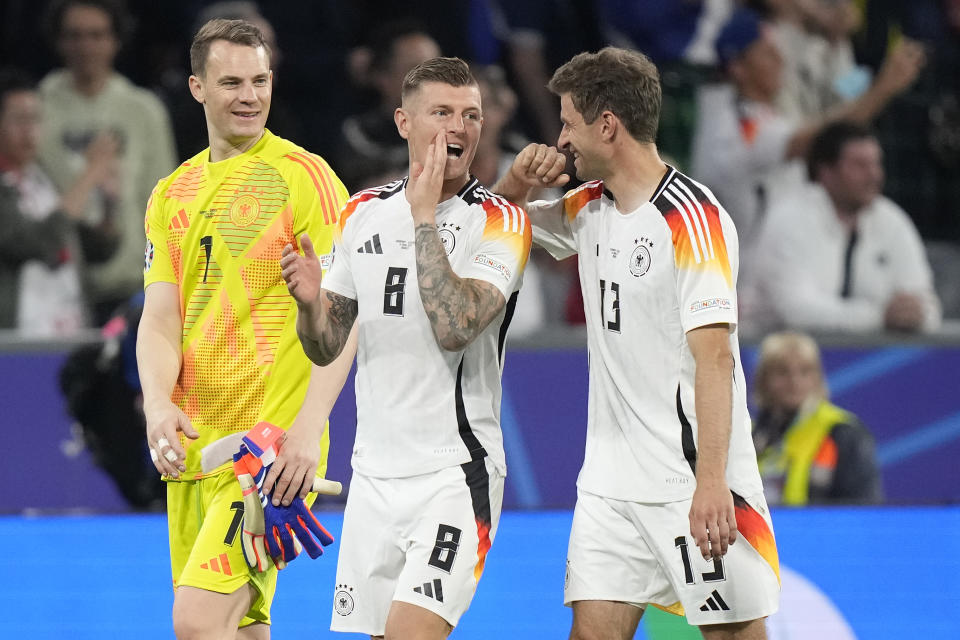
x: 426, y: 181
x: 164, y: 424
x: 901, y: 66
x: 302, y: 273
x: 539, y: 165
x: 713, y: 520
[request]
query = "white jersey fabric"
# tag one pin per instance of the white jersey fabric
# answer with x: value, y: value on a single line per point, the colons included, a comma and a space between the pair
x: 648, y: 277
x: 421, y: 408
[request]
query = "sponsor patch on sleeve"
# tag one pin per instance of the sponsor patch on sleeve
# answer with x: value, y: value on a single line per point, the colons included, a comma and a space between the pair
x: 148, y: 257
x: 326, y: 261
x: 711, y: 303
x: 496, y: 265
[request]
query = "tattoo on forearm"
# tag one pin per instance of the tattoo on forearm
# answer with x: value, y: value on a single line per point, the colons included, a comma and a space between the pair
x: 334, y: 327
x: 458, y: 309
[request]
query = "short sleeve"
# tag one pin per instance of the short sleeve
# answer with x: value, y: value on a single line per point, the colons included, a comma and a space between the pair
x: 320, y: 199
x: 503, y: 248
x: 338, y: 277
x: 705, y: 245
x: 157, y: 263
x: 551, y: 228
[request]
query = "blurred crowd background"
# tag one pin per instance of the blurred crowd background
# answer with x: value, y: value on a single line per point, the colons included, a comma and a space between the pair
x: 829, y: 129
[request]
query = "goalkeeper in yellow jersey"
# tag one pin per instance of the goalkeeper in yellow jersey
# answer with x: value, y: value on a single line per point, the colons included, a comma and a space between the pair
x: 217, y: 349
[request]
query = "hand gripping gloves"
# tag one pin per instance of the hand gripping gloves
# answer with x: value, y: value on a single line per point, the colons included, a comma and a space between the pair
x: 278, y: 531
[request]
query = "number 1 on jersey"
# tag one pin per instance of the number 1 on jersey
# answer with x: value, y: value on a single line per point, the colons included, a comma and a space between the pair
x: 207, y: 243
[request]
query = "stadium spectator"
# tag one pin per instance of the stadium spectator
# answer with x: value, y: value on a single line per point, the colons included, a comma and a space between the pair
x: 921, y: 133
x: 679, y: 37
x: 539, y: 35
x: 745, y: 148
x: 370, y: 152
x: 810, y: 451
x: 44, y: 240
x: 837, y: 255
x: 819, y: 70
x: 86, y: 100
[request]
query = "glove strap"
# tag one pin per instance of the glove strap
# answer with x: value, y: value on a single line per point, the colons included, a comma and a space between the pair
x: 263, y: 440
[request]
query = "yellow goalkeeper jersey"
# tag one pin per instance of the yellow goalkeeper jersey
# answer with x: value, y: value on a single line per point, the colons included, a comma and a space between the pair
x: 216, y: 230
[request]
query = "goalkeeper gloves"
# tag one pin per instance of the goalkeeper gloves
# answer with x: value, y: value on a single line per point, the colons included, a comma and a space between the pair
x: 288, y: 529
x: 252, y: 529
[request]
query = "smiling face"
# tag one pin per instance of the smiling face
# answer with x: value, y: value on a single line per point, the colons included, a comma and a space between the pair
x: 580, y: 140
x: 435, y: 107
x: 235, y: 90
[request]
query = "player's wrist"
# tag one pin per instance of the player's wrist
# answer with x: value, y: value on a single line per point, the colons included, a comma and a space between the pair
x: 423, y: 216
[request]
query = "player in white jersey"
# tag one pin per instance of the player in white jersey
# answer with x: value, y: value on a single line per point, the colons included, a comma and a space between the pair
x: 669, y: 462
x: 429, y: 268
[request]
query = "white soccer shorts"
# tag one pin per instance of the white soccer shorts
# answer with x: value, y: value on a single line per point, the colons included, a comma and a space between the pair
x: 643, y: 554
x: 421, y: 540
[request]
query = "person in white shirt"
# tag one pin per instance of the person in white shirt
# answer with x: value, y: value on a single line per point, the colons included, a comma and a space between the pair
x: 838, y: 255
x: 429, y: 268
x: 745, y: 147
x: 669, y: 467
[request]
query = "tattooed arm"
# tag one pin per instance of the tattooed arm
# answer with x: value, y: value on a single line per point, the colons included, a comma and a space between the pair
x: 323, y: 326
x: 324, y: 318
x: 458, y: 308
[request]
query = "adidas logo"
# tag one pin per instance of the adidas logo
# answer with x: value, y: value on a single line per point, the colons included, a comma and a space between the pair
x: 179, y: 221
x: 220, y: 564
x: 372, y: 245
x: 715, y: 603
x: 431, y: 590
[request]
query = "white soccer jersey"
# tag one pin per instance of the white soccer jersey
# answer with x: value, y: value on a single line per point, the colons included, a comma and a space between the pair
x: 421, y: 408
x: 648, y: 277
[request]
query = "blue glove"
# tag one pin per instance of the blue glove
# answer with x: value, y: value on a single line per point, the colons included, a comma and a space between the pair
x: 288, y: 527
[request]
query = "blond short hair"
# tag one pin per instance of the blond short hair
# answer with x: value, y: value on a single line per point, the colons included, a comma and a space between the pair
x: 780, y: 347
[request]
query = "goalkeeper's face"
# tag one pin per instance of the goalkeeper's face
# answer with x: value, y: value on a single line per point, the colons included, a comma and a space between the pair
x: 235, y: 91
